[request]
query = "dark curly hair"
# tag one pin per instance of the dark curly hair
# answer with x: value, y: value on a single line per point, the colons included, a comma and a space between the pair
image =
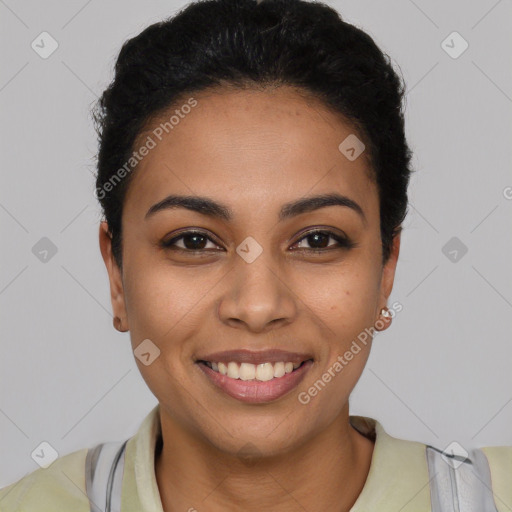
x: 255, y: 44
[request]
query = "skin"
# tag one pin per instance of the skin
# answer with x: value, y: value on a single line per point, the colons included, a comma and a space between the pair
x: 253, y: 151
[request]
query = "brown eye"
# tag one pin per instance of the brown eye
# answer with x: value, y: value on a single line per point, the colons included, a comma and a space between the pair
x: 190, y: 241
x: 319, y: 240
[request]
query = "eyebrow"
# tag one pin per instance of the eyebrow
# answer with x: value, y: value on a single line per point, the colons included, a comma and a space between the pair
x: 207, y: 206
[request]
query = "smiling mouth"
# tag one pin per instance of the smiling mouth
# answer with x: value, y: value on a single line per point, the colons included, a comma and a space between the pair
x: 254, y: 372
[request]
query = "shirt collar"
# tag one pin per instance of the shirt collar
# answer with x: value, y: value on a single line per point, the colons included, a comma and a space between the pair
x: 398, y: 478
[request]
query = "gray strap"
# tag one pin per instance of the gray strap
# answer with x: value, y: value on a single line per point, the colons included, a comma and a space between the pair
x: 114, y: 494
x: 104, y: 467
x: 484, y: 473
x: 459, y: 484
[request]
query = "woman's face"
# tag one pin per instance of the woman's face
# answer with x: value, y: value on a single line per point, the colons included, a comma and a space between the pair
x: 256, y: 278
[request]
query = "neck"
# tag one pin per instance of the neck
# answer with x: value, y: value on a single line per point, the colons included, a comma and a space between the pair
x: 327, y: 472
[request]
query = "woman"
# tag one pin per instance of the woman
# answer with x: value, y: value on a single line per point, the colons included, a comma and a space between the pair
x: 253, y: 174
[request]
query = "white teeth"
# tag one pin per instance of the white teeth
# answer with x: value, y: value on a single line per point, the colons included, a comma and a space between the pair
x: 233, y: 370
x: 247, y: 371
x: 279, y: 370
x: 264, y: 371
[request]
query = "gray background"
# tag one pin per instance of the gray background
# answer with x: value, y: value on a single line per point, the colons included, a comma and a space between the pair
x: 440, y: 373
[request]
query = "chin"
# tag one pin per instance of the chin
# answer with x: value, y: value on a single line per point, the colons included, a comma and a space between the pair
x: 259, y: 440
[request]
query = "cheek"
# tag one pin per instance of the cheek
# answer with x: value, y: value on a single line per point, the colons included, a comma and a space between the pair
x: 344, y: 298
x: 161, y: 301
x: 164, y: 307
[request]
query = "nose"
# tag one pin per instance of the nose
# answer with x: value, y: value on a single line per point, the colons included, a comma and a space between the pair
x: 258, y: 296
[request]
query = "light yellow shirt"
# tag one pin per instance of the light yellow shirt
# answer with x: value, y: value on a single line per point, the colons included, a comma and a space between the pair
x: 398, y: 479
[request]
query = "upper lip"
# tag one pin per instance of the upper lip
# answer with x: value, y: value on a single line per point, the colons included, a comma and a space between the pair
x: 259, y: 357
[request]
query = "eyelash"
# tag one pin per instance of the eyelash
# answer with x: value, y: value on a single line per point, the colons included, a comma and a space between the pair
x: 343, y: 242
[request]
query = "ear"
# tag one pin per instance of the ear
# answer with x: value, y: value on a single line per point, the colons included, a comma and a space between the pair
x: 114, y: 275
x: 388, y: 272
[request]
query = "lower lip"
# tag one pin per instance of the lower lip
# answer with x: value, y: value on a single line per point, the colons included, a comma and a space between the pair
x: 255, y: 391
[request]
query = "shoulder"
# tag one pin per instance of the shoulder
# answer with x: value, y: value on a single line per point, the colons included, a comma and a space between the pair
x: 60, y: 486
x: 398, y: 477
x: 500, y: 466
x: 409, y: 475
x: 500, y: 459
x: 481, y: 477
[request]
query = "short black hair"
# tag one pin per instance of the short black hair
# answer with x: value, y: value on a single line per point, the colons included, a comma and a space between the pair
x: 249, y: 43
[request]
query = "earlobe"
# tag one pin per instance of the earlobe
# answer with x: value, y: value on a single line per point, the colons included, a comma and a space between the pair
x: 120, y: 318
x: 384, y: 320
x: 388, y: 272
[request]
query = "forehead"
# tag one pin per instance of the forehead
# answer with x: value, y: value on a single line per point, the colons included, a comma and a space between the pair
x: 248, y: 147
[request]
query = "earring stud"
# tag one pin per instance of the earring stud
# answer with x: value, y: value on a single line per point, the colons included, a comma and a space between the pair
x: 385, y: 312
